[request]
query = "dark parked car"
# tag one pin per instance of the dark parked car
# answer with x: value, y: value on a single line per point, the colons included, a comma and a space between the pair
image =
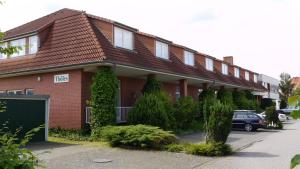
x: 247, y: 120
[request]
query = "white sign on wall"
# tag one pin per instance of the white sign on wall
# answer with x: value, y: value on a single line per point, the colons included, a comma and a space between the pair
x: 64, y: 78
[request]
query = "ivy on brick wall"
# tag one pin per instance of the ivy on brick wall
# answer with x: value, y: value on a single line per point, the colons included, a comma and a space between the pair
x: 104, y: 93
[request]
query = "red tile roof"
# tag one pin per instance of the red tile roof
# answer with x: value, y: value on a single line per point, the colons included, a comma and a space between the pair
x: 74, y: 40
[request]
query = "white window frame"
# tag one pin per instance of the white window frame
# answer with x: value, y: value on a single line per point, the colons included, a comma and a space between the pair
x: 189, y: 58
x: 123, y: 37
x: 27, y: 91
x: 247, y: 75
x: 19, y: 43
x: 236, y: 72
x: 33, y: 45
x: 3, y: 56
x: 161, y: 50
x: 14, y: 92
x: 224, y: 69
x: 209, y: 64
x: 255, y: 78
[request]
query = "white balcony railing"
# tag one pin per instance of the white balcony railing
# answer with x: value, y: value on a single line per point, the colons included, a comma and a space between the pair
x: 121, y: 112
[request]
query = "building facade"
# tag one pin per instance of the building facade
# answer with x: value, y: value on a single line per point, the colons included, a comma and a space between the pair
x: 63, y: 50
x: 272, y: 86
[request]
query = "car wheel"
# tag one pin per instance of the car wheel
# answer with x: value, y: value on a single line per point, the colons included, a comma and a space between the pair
x: 248, y: 127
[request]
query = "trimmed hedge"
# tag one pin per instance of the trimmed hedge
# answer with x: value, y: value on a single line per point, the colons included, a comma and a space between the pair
x: 153, y: 109
x: 104, y: 93
x: 135, y: 136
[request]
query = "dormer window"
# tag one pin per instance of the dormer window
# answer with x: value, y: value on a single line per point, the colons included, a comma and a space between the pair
x: 255, y: 78
x: 18, y: 43
x: 2, y: 55
x: 123, y: 38
x: 237, y: 72
x: 33, y: 44
x: 209, y: 64
x: 189, y: 58
x: 224, y: 69
x: 247, y: 76
x: 162, y: 50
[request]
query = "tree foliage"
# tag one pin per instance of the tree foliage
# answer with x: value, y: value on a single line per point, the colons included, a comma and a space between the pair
x: 104, y: 97
x: 225, y: 96
x: 185, y: 111
x: 152, y: 85
x: 285, y: 88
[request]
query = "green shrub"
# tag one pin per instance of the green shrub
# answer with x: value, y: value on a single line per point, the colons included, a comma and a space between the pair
x: 272, y: 118
x: 209, y: 149
x: 225, y: 96
x: 135, y: 136
x: 185, y: 111
x: 152, y: 85
x: 152, y: 109
x: 71, y: 134
x: 295, y: 114
x: 104, y: 93
x: 240, y: 100
x: 12, y: 151
x: 219, y: 122
x: 175, y: 147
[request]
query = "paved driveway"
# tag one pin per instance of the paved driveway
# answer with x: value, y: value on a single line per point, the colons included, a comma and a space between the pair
x: 68, y: 156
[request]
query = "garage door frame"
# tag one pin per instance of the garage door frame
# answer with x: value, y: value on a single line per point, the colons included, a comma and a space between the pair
x: 45, y: 98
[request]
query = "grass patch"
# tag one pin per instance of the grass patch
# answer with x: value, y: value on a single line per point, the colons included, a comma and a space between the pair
x: 71, y: 134
x: 85, y: 143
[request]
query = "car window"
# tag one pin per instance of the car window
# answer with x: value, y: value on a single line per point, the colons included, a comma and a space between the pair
x: 252, y: 116
x: 241, y: 116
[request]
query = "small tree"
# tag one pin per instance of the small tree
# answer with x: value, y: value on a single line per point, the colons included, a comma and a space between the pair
x: 272, y: 117
x: 285, y: 89
x: 219, y: 123
x: 104, y: 93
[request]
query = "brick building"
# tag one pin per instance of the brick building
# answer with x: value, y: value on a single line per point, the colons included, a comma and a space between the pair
x: 62, y: 51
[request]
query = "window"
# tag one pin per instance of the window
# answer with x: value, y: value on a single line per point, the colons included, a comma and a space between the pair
x: 162, y: 50
x: 3, y: 56
x: 237, y: 72
x: 209, y: 64
x: 177, y: 93
x: 88, y: 112
x: 224, y: 69
x: 2, y: 92
x: 18, y: 43
x: 33, y: 44
x: 255, y: 78
x: 14, y: 92
x: 247, y: 77
x: 29, y: 91
x: 123, y: 38
x: 189, y: 58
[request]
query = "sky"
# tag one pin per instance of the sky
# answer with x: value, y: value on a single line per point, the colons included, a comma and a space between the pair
x: 261, y: 35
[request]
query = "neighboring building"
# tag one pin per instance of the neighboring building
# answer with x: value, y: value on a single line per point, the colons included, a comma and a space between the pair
x: 296, y: 82
x: 63, y: 50
x: 272, y: 86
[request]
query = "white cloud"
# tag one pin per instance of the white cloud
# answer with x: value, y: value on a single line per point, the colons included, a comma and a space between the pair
x: 262, y: 35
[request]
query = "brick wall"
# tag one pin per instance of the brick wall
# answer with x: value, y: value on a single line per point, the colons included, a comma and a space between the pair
x: 65, y: 98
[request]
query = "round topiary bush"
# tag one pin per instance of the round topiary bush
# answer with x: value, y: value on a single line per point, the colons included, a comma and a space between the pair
x: 152, y: 109
x: 104, y: 93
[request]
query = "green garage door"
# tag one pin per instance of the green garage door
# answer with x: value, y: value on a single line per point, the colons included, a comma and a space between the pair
x: 25, y: 114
